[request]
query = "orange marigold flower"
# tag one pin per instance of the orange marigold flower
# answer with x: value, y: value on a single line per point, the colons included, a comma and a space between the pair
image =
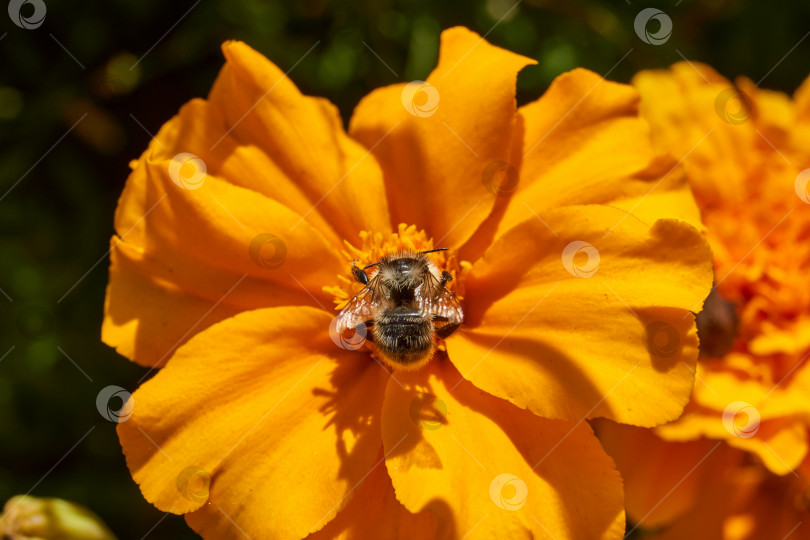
x: 736, y: 464
x: 572, y: 256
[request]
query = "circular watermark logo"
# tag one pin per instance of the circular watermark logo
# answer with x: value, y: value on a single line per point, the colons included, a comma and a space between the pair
x: 500, y: 178
x: 346, y: 341
x: 741, y: 419
x: 420, y: 99
x: 642, y: 25
x: 268, y: 251
x: 733, y: 106
x: 662, y: 339
x: 35, y: 13
x: 801, y: 185
x: 508, y: 491
x: 35, y: 323
x: 428, y: 411
x: 572, y: 259
x: 193, y: 483
x: 187, y: 171
x: 121, y: 414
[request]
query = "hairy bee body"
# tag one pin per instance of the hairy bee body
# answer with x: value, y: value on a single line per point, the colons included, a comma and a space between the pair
x: 406, y: 307
x: 404, y: 336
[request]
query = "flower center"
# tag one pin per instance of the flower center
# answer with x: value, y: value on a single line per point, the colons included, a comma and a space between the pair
x: 396, y: 300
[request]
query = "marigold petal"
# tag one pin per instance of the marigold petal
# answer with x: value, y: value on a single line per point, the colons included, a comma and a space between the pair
x: 713, y: 142
x: 766, y: 420
x: 434, y: 158
x: 722, y: 385
x: 702, y: 489
x: 490, y: 470
x: 146, y: 314
x: 200, y: 128
x: 585, y: 143
x: 791, y: 339
x: 260, y: 421
x: 780, y: 443
x: 620, y: 344
x: 375, y: 512
x: 664, y: 480
x: 317, y: 167
x: 189, y: 242
x: 771, y: 112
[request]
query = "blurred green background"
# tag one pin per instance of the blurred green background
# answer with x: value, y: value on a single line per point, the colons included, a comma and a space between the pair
x: 59, y: 186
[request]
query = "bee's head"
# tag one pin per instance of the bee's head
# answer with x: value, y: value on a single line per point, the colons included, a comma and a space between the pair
x: 402, y: 273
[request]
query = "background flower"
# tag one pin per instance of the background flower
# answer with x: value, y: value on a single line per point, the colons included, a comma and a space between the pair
x: 744, y: 471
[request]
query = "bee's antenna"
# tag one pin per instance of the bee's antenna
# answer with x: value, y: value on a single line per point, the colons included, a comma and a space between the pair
x: 370, y: 265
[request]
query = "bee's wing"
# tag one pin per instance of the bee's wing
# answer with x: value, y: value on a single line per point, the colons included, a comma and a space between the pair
x: 438, y: 303
x: 360, y: 309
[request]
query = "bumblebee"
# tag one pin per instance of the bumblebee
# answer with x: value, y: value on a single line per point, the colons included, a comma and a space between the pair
x: 404, y: 306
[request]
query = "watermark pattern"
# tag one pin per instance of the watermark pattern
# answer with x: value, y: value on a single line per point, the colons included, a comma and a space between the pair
x: 642, y: 26
x: 801, y: 185
x: 428, y: 411
x: 500, y: 178
x: 268, y: 251
x: 572, y: 259
x: 35, y: 323
x: 662, y: 339
x: 508, y: 492
x: 345, y: 341
x: 194, y: 483
x: 31, y: 22
x: 741, y: 419
x: 420, y: 99
x: 115, y: 415
x: 187, y: 171
x: 733, y: 106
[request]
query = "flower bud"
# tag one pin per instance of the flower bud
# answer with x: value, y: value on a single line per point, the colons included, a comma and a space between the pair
x: 25, y: 517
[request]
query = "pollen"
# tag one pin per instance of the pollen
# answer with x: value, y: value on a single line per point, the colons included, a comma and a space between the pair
x: 374, y: 245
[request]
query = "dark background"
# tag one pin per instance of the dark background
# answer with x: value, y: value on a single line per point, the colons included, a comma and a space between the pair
x: 58, y: 190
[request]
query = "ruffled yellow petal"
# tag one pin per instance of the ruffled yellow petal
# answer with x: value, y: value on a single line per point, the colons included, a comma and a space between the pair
x: 719, y: 387
x: 585, y: 143
x: 436, y: 140
x: 771, y: 112
x: 315, y: 168
x: 792, y: 340
x: 666, y: 484
x: 652, y: 468
x: 186, y: 249
x: 375, y: 512
x: 258, y: 424
x: 490, y: 470
x: 766, y: 420
x: 780, y: 444
x: 147, y: 314
x: 587, y: 314
x: 701, y: 118
x: 703, y: 489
